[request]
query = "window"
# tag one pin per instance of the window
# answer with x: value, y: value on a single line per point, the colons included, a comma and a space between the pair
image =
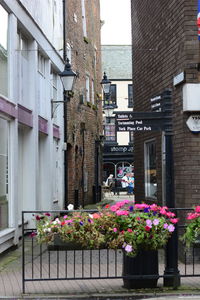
x: 113, y: 94
x: 87, y: 88
x: 109, y: 130
x: 131, y: 137
x: 4, y: 133
x: 130, y: 95
x: 84, y: 18
x: 54, y: 92
x: 23, y: 45
x: 42, y: 92
x: 150, y: 169
x: 41, y: 64
x: 92, y: 92
x: 4, y: 52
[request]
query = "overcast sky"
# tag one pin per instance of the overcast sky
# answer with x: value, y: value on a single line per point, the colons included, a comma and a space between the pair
x: 117, y: 17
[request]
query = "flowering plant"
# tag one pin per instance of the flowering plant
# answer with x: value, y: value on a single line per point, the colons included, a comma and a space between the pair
x: 193, y: 227
x: 123, y: 225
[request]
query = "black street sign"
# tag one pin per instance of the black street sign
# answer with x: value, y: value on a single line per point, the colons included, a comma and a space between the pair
x: 140, y: 121
x: 156, y: 104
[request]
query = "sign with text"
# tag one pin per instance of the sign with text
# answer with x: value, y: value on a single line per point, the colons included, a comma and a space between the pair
x: 156, y: 103
x: 118, y: 149
x: 142, y: 121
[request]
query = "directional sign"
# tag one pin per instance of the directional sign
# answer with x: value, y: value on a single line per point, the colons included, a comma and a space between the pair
x: 140, y: 121
x: 156, y: 104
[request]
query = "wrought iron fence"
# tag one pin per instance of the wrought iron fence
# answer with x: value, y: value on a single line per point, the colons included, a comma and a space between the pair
x: 39, y: 263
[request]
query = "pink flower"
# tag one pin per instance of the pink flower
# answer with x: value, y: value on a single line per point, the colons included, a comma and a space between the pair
x: 165, y: 226
x: 122, y: 213
x: 147, y: 228
x: 149, y: 223
x: 129, y: 230
x: 174, y: 221
x: 171, y: 228
x: 115, y: 229
x: 197, y: 209
x: 128, y: 248
x: 156, y: 222
x: 192, y: 216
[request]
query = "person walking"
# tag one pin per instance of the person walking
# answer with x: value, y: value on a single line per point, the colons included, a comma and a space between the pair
x: 130, y: 184
x: 124, y: 182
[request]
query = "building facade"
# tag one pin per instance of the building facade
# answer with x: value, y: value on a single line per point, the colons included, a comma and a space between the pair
x: 84, y: 113
x: 166, y: 55
x: 118, y: 146
x: 31, y: 147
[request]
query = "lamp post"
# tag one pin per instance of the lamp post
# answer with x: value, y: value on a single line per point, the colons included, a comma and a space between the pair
x: 68, y: 78
x: 107, y: 105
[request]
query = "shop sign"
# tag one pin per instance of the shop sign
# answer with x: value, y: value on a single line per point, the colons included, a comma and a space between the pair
x: 118, y: 149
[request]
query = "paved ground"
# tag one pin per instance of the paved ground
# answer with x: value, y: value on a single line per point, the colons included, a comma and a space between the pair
x: 11, y: 283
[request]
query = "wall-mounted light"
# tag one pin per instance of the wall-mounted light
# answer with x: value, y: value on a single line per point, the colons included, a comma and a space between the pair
x: 68, y: 78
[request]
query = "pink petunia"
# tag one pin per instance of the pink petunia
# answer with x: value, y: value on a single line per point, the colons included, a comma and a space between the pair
x: 128, y: 248
x: 129, y: 230
x: 122, y: 213
x: 174, y: 221
x: 171, y: 228
x: 149, y: 223
x: 156, y: 222
x: 115, y: 229
x: 147, y: 228
x: 197, y: 209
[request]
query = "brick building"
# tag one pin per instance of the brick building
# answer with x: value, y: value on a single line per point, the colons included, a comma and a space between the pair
x: 166, y: 55
x: 84, y: 113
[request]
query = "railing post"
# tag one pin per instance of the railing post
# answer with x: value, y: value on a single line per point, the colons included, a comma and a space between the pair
x: 171, y: 273
x: 23, y: 258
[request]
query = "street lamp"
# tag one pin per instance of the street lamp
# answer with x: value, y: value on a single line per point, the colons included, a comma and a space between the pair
x: 68, y: 77
x: 108, y: 106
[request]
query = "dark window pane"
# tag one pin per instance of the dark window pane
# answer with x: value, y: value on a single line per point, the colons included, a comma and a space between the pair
x: 130, y: 95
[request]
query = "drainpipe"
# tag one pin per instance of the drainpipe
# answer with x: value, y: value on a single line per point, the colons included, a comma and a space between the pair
x: 65, y: 114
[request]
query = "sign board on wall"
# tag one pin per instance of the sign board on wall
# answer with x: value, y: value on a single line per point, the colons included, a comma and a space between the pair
x: 193, y: 123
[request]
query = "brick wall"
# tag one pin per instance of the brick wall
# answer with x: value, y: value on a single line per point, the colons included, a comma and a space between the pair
x: 165, y: 44
x: 84, y: 120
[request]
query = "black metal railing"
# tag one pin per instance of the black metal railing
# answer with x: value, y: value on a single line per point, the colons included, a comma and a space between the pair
x: 41, y: 264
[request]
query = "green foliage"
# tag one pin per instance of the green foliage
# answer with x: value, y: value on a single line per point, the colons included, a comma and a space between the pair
x: 192, y: 231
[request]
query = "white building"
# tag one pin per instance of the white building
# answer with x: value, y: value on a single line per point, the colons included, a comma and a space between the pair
x: 118, y: 146
x: 31, y: 128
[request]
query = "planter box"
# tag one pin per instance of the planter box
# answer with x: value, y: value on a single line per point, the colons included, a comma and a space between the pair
x: 145, y: 263
x: 59, y: 244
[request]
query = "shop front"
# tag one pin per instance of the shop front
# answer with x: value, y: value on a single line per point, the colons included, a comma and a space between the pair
x: 117, y: 160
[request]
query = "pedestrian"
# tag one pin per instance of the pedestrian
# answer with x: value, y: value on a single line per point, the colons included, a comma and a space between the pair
x: 124, y: 182
x: 130, y: 184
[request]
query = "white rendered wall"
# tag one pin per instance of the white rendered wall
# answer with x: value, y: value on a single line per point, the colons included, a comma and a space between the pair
x: 122, y: 103
x: 36, y: 176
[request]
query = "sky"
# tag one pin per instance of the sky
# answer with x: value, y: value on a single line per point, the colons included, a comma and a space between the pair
x: 117, y: 17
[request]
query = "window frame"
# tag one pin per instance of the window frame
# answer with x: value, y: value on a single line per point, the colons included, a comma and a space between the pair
x: 130, y: 100
x: 150, y: 174
x: 108, y: 122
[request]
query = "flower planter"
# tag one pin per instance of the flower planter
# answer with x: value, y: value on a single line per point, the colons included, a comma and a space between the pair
x: 145, y: 263
x: 59, y: 244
